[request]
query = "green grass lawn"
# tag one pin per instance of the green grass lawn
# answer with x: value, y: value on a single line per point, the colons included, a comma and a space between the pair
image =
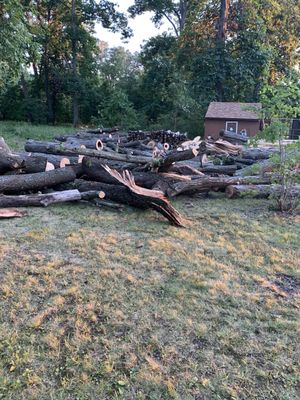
x: 15, y: 134
x: 101, y: 305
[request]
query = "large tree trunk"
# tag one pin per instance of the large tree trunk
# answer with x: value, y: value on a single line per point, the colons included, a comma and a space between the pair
x: 153, y: 198
x: 205, y: 184
x: 74, y: 40
x: 258, y: 191
x: 95, y: 170
x: 58, y: 148
x: 117, y: 193
x: 220, y: 47
x: 258, y: 153
x: 19, y: 183
x: 46, y: 199
x: 219, y: 169
x: 234, y: 138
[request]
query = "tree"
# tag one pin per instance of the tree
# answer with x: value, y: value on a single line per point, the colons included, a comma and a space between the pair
x: 13, y: 39
x: 281, y: 102
x: 175, y: 12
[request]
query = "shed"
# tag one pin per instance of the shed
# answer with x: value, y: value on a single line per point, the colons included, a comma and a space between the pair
x: 232, y: 117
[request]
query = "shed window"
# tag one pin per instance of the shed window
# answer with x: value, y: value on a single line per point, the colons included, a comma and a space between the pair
x: 232, y: 126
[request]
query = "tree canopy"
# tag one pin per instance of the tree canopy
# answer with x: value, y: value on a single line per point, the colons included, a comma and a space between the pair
x: 52, y: 67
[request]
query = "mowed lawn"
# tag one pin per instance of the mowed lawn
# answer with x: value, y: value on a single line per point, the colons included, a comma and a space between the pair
x: 98, y: 304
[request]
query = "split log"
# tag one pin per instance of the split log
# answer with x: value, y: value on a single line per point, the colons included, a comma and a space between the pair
x: 47, y: 199
x: 206, y: 184
x: 153, y: 198
x: 11, y: 213
x: 19, y: 183
x: 258, y: 191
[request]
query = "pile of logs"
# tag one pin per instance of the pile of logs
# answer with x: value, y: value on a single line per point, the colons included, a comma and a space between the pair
x: 139, y: 169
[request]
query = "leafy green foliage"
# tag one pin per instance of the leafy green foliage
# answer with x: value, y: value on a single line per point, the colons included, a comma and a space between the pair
x: 13, y: 40
x: 280, y: 103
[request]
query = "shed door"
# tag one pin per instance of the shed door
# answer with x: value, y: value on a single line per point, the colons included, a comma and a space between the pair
x: 232, y: 126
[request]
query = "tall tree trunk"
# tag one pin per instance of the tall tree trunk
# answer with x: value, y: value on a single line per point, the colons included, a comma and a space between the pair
x: 220, y: 44
x: 25, y: 91
x: 75, y: 104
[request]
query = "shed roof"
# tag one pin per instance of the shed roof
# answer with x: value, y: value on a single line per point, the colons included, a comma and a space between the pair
x: 232, y: 110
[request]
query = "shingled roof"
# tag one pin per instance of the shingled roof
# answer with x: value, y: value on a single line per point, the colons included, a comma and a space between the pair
x: 232, y: 110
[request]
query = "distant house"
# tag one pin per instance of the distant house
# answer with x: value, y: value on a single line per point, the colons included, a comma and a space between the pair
x: 232, y: 117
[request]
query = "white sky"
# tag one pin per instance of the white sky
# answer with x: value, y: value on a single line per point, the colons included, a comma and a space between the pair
x: 142, y: 27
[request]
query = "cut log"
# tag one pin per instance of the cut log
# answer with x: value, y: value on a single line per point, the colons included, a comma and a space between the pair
x: 154, y: 198
x: 95, y: 144
x: 116, y: 193
x: 258, y: 153
x: 219, y: 169
x: 184, y: 169
x: 58, y: 148
x: 205, y: 184
x: 258, y: 191
x: 19, y: 183
x: 49, y: 198
x: 56, y: 160
x: 234, y: 137
x: 94, y: 169
x: 11, y: 213
x: 176, y: 156
x: 22, y: 162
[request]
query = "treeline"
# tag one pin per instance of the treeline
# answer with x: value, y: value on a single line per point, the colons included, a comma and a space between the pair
x: 52, y: 68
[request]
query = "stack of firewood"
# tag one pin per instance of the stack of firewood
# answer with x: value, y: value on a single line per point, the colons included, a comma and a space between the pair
x: 113, y: 168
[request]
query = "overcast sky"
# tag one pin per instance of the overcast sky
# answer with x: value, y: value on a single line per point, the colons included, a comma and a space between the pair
x: 141, y: 25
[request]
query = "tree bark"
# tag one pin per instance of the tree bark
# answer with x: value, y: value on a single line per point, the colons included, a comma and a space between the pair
x: 258, y: 191
x: 205, y: 184
x: 46, y: 199
x: 234, y: 138
x: 20, y: 183
x: 58, y: 148
x: 153, y: 198
x: 258, y: 153
x: 219, y: 169
x: 94, y: 169
x: 74, y: 40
